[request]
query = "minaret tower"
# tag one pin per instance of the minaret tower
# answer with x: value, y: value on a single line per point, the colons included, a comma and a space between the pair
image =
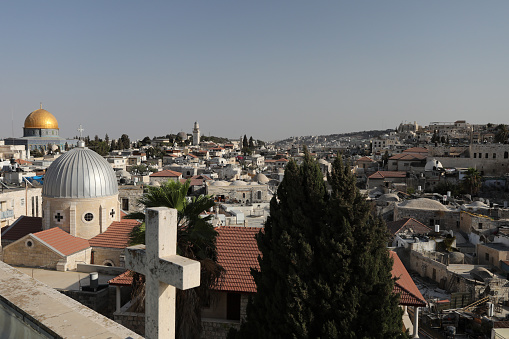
x: 196, y: 134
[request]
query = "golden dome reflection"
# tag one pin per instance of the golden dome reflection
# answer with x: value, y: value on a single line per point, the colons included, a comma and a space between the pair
x: 41, y: 119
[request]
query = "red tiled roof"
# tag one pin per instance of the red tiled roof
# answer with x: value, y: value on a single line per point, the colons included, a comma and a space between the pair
x: 62, y: 241
x: 237, y: 252
x: 387, y: 174
x: 408, y: 157
x: 166, y: 173
x: 125, y: 279
x: 193, y: 182
x: 410, y: 295
x: 116, y: 236
x: 23, y: 162
x: 398, y: 226
x: 365, y: 159
x: 416, y: 150
x: 21, y: 227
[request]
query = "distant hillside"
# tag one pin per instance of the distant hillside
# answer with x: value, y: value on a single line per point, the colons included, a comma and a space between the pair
x: 335, y: 137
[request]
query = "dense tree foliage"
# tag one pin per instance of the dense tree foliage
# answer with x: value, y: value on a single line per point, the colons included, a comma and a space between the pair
x: 472, y: 181
x: 325, y: 271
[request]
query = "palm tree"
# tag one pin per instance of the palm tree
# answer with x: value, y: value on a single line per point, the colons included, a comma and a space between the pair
x: 196, y: 239
x: 472, y: 180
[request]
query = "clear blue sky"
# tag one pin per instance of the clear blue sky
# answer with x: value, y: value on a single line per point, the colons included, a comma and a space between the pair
x: 270, y: 69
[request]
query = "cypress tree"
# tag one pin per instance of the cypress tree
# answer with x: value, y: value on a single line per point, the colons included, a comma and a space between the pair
x: 325, y: 271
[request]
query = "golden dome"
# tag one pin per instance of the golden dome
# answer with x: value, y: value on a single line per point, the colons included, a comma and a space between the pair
x: 41, y: 119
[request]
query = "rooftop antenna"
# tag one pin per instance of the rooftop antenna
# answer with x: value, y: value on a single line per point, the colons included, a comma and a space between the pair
x: 12, y: 122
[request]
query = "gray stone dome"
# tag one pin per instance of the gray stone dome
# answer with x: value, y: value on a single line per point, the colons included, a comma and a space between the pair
x: 456, y: 258
x: 80, y: 173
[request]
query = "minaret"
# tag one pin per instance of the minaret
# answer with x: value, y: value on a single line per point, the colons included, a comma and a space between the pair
x: 196, y: 134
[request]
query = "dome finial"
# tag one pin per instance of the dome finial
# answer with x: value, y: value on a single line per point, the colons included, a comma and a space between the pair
x: 40, y: 104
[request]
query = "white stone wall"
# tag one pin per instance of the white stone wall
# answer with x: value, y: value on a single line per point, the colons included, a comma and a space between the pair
x: 74, y: 210
x: 20, y: 202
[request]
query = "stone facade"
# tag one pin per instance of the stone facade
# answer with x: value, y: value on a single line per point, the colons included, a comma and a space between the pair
x: 131, y: 320
x: 17, y: 202
x: 71, y: 215
x: 29, y: 251
x: 492, y: 254
x: 243, y: 193
x: 128, y: 197
x: 447, y: 220
x: 108, y: 256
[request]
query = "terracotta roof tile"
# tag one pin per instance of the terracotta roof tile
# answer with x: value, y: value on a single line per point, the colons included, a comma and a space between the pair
x: 62, y: 241
x: 387, y: 174
x: 408, y: 157
x: 21, y: 227
x: 23, y: 162
x: 193, y: 182
x: 365, y: 159
x: 416, y: 150
x: 410, y: 295
x: 125, y: 279
x: 116, y: 236
x: 399, y: 225
x: 166, y: 173
x: 237, y: 252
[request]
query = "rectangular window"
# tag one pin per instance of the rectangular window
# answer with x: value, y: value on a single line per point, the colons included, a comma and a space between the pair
x: 479, y: 226
x: 33, y: 206
x: 475, y: 155
x: 457, y: 224
x: 125, y: 204
x: 486, y: 256
x: 431, y: 222
x: 480, y: 155
x: 36, y: 206
x: 494, y: 155
x: 486, y: 156
x: 22, y: 201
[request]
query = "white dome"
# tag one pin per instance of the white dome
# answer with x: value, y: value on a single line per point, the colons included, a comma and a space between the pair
x: 79, y: 173
x: 220, y: 183
x: 432, y: 164
x: 423, y: 204
x: 239, y: 183
x: 261, y: 178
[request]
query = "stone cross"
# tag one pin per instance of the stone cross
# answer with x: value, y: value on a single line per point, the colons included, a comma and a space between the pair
x: 163, y: 270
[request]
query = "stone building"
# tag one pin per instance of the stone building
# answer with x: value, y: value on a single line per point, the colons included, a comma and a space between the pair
x: 52, y: 249
x: 80, y: 194
x: 240, y: 191
x: 15, y: 202
x: 429, y: 212
x: 41, y: 131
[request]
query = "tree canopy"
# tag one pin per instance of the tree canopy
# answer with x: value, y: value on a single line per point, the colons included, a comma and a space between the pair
x: 325, y: 271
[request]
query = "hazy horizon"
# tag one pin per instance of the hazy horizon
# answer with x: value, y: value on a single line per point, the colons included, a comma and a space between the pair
x: 266, y: 69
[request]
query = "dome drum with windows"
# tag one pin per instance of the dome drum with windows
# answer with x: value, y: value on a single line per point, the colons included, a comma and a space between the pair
x: 80, y: 194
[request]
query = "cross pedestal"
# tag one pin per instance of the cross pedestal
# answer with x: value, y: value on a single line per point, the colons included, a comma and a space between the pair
x: 163, y: 270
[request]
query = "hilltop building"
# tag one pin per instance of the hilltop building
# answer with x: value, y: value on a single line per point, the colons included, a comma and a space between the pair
x: 41, y: 131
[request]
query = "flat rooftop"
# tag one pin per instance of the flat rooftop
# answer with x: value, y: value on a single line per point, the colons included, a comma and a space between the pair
x: 50, y: 312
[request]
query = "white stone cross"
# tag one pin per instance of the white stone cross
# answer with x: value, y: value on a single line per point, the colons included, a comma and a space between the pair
x: 163, y: 270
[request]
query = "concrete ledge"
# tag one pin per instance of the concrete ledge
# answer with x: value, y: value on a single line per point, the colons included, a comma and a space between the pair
x: 110, y: 270
x: 54, y: 314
